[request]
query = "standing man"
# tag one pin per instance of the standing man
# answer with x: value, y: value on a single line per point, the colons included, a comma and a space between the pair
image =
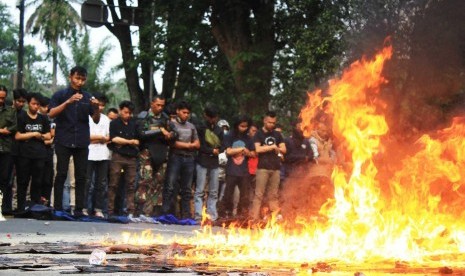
x: 71, y: 108
x: 8, y: 127
x: 211, y: 137
x: 125, y: 148
x: 181, y: 162
x: 270, y: 147
x: 98, y: 161
x: 155, y: 131
x: 33, y: 131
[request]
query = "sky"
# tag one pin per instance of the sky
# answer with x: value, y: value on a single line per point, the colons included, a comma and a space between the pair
x: 97, y: 36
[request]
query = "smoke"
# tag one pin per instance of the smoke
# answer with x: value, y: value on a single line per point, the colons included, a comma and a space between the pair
x: 427, y: 74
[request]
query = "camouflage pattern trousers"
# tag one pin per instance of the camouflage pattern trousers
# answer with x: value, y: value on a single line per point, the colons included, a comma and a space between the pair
x: 149, y: 192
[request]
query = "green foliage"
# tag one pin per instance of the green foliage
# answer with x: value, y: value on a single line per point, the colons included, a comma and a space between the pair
x: 53, y: 20
x: 311, y: 47
x: 8, y: 46
x: 82, y: 54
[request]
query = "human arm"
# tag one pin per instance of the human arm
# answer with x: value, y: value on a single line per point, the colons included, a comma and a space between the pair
x: 122, y: 141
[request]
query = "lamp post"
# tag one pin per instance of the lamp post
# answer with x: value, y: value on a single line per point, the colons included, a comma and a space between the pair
x: 19, y: 74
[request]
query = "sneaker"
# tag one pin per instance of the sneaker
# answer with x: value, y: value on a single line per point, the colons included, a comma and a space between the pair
x: 84, y: 212
x: 99, y: 214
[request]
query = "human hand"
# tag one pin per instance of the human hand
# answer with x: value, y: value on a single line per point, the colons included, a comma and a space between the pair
x: 75, y: 98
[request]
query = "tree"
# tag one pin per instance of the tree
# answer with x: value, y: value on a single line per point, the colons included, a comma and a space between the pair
x: 245, y: 33
x: 53, y: 20
x: 311, y: 51
x: 8, y: 46
x: 83, y: 54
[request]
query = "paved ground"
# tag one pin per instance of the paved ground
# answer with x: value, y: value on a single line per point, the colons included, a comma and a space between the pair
x: 22, y: 231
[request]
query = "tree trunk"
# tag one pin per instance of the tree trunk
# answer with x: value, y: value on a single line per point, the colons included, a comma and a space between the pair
x: 249, y: 49
x: 123, y: 34
x: 146, y: 35
x: 54, y: 64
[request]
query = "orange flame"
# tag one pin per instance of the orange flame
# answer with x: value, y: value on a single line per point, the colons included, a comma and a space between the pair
x: 415, y: 220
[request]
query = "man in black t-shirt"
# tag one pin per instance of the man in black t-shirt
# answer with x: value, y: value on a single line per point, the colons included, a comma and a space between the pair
x: 270, y: 147
x: 33, y: 130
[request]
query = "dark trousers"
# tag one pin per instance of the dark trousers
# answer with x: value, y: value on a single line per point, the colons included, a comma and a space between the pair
x: 47, y: 179
x: 243, y: 183
x: 181, y: 167
x: 5, y: 187
x: 80, y: 167
x: 29, y: 170
x: 129, y: 166
x: 97, y: 184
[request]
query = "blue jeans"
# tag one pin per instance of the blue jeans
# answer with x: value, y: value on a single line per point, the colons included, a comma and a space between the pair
x: 179, y: 168
x: 213, y: 186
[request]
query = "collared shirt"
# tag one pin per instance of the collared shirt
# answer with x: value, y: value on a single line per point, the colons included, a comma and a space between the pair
x: 72, y: 125
x: 127, y: 131
x: 8, y: 120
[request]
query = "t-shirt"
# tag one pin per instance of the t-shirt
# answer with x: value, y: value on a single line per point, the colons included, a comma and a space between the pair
x: 186, y: 133
x: 237, y: 165
x: 268, y: 160
x: 99, y: 152
x: 32, y: 148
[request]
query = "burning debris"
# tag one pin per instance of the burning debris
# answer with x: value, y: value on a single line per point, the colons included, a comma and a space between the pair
x: 394, y: 209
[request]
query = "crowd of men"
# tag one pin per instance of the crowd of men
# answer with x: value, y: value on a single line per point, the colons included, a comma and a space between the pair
x: 159, y: 161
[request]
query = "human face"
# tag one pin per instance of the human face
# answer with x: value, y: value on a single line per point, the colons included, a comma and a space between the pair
x: 242, y: 127
x: 157, y: 106
x: 183, y: 114
x: 212, y: 120
x: 34, y: 106
x: 77, y: 81
x: 125, y: 114
x: 269, y: 123
x: 252, y: 131
x: 101, y: 106
x: 19, y: 103
x: 112, y: 115
x: 2, y: 98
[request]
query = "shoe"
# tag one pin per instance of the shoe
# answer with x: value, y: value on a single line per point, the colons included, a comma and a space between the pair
x: 99, y: 214
x: 131, y: 218
x: 84, y: 212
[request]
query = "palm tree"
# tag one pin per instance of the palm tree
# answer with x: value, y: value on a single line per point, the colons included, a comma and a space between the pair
x: 83, y: 54
x: 54, y: 20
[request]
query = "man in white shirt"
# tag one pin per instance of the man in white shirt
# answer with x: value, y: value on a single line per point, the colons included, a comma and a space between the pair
x: 98, y: 161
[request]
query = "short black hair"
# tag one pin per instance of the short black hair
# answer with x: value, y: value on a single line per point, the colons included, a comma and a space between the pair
x: 271, y: 114
x: 127, y: 104
x: 19, y: 93
x: 112, y: 109
x: 44, y: 101
x: 183, y: 105
x: 101, y: 97
x: 34, y: 95
x: 157, y: 96
x: 81, y: 71
x: 211, y: 111
x: 3, y: 88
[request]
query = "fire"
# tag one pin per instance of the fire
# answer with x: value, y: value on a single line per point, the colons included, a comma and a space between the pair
x: 412, y: 217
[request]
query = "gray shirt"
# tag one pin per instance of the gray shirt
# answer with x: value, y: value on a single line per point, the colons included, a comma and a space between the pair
x: 186, y: 133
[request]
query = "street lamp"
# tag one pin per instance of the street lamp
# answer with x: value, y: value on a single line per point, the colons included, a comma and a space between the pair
x: 19, y: 74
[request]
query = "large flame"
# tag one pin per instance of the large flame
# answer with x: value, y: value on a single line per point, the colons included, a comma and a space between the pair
x: 412, y: 217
